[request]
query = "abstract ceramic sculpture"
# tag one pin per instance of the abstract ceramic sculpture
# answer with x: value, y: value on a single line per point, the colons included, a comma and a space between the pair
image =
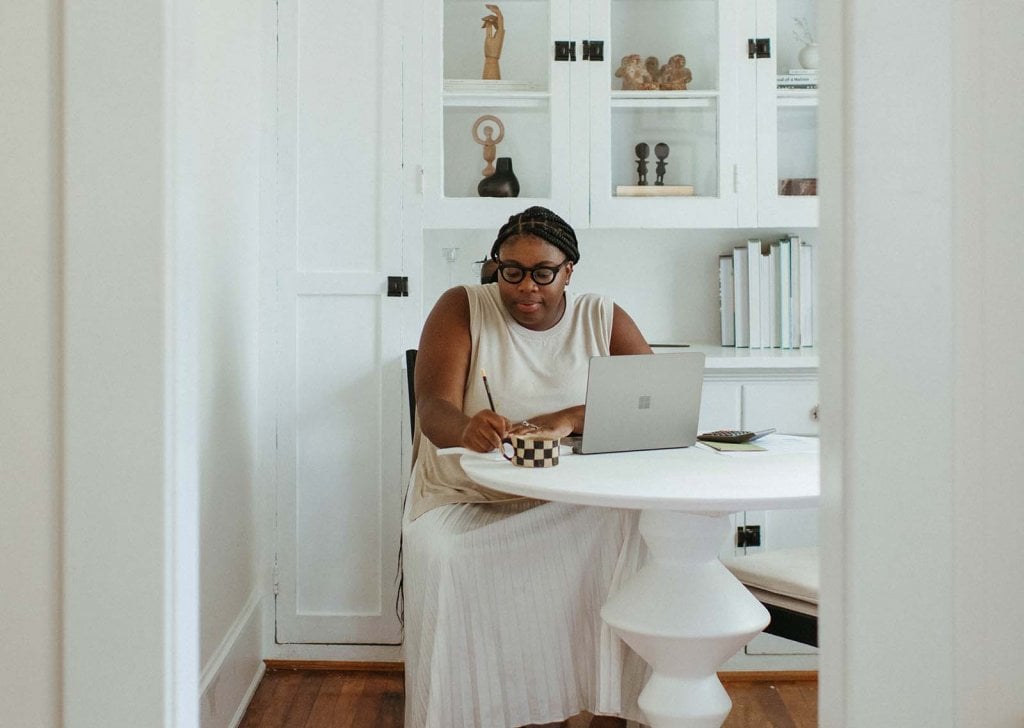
x: 503, y: 183
x: 488, y: 141
x: 633, y: 74
x: 674, y: 75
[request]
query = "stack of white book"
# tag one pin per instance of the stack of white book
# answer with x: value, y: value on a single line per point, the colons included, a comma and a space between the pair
x: 766, y: 294
x: 798, y: 78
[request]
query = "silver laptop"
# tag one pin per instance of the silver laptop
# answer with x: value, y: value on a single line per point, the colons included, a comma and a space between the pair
x: 642, y: 402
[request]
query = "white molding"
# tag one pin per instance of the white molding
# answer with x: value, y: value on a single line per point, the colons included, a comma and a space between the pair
x: 227, y: 661
x: 340, y: 653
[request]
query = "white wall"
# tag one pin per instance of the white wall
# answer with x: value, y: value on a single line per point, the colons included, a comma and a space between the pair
x: 29, y: 373
x: 922, y: 393
x: 220, y: 75
x: 131, y: 180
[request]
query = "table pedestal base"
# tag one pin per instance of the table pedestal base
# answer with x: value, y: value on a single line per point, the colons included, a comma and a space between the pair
x: 685, y: 614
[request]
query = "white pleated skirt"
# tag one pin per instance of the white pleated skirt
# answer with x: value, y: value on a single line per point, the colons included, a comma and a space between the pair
x: 502, y: 614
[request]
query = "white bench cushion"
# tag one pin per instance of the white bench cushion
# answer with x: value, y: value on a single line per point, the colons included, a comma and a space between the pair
x: 787, y: 577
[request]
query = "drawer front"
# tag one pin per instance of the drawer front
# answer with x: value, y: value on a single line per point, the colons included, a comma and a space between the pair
x: 719, y: 406
x: 789, y: 407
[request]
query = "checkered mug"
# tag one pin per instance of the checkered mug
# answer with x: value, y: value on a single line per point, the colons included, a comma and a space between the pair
x: 530, y: 453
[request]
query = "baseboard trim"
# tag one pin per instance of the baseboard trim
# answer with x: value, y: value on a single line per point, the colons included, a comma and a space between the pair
x: 336, y: 665
x: 231, y: 675
x: 769, y: 676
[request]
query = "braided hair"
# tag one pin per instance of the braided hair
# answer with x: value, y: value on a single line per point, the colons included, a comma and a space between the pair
x: 542, y: 223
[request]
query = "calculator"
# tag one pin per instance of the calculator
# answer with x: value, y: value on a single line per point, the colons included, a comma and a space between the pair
x: 734, y: 435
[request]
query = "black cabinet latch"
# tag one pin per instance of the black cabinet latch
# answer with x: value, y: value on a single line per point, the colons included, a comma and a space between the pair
x: 593, y: 50
x: 565, y: 50
x: 398, y: 286
x: 759, y: 47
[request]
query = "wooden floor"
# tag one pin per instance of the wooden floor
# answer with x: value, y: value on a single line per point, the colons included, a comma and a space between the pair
x: 318, y: 698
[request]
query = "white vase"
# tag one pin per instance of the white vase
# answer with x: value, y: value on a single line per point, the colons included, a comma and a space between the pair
x: 809, y: 56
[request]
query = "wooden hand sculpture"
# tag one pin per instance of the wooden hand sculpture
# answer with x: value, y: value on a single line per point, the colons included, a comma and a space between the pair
x: 494, y: 37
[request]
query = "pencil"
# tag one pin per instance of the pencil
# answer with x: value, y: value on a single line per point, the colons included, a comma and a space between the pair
x: 487, y: 387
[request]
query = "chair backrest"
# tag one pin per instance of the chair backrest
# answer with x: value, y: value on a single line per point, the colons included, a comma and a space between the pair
x: 410, y: 372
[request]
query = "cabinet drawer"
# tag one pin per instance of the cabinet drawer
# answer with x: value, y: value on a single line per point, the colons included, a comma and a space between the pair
x: 789, y: 407
x: 719, y: 406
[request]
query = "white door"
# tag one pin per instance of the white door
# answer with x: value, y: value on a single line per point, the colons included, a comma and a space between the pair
x: 338, y: 402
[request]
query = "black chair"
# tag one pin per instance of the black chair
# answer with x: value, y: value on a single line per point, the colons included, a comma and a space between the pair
x: 410, y: 372
x: 785, y: 581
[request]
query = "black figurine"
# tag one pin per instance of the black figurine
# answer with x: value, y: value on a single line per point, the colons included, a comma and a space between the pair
x: 661, y: 152
x: 642, y: 152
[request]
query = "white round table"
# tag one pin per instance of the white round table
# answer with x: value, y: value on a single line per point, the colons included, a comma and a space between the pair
x: 683, y: 612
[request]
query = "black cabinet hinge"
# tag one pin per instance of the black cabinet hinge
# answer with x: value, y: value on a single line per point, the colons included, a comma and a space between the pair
x: 748, y: 536
x: 593, y: 50
x: 398, y: 286
x: 565, y: 50
x: 759, y: 47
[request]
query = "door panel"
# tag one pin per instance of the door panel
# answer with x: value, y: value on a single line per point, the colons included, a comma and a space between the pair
x: 337, y: 402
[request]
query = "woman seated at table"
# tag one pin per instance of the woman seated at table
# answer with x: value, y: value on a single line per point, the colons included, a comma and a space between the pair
x: 503, y: 593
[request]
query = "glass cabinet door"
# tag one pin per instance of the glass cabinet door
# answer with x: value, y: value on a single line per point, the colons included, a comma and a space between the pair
x: 664, y: 140
x: 471, y: 124
x: 787, y: 89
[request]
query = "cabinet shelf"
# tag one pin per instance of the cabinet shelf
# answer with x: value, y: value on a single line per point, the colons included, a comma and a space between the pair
x: 663, y: 100
x: 497, y: 100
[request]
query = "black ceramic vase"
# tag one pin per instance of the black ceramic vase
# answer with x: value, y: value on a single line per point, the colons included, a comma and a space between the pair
x: 502, y: 183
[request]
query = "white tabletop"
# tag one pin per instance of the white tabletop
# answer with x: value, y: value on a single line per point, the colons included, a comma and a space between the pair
x: 693, y: 479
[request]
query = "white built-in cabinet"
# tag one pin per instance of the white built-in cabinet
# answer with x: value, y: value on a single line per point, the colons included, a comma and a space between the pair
x: 757, y: 389
x: 571, y: 131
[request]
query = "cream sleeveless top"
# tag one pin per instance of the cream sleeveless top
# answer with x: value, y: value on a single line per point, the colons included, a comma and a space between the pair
x: 529, y: 372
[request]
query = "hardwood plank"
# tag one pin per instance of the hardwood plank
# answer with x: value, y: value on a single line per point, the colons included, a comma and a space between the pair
x: 322, y: 712
x: 283, y: 687
x: 305, y: 698
x: 801, y: 701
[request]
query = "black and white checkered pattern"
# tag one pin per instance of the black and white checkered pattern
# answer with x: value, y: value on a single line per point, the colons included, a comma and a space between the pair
x: 534, y: 453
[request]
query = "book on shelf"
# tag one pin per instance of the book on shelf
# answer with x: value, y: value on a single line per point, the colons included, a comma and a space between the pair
x: 774, y: 300
x: 766, y: 298
x: 796, y: 86
x: 796, y: 78
x: 806, y: 295
x: 766, y: 294
x: 654, y: 190
x: 727, y: 306
x: 754, y: 292
x: 803, y: 71
x: 785, y: 333
x: 794, y: 291
x: 740, y: 292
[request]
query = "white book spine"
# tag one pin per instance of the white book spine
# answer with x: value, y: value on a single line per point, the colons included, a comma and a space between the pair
x: 741, y: 292
x: 754, y: 292
x: 727, y: 300
x: 794, y: 291
x: 766, y: 301
x: 806, y: 295
x: 773, y: 266
x: 785, y: 332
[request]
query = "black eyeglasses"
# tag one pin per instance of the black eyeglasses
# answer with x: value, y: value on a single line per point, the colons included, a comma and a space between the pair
x: 542, y: 275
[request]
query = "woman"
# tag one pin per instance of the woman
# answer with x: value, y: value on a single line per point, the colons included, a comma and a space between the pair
x: 503, y: 593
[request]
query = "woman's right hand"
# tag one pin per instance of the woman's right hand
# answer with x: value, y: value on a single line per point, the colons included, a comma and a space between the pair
x: 484, y: 431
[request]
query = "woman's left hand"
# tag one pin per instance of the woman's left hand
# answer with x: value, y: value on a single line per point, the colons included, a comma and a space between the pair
x: 544, y: 427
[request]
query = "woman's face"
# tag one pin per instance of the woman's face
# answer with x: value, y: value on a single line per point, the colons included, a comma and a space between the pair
x: 532, y: 305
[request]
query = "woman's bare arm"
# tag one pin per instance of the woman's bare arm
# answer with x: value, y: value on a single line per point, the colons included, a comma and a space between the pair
x: 442, y: 369
x: 626, y: 336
